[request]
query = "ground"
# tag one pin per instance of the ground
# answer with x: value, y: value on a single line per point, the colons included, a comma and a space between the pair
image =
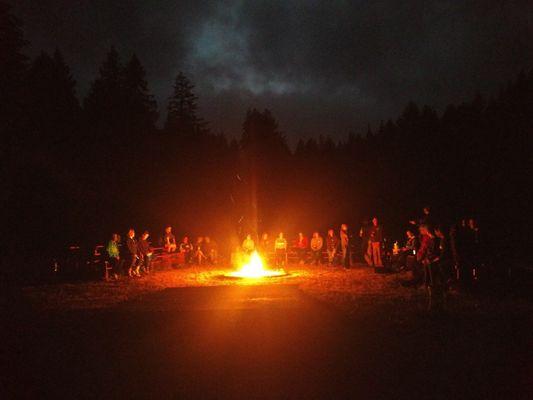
x: 317, y: 333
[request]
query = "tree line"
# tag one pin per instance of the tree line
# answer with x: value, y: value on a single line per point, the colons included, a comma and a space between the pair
x: 77, y: 170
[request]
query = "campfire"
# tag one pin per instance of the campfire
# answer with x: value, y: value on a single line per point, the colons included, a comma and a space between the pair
x: 254, y: 268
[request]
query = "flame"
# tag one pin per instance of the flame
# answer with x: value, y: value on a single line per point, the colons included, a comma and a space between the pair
x: 254, y: 268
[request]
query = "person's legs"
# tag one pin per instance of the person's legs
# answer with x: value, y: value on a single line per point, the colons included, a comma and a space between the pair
x: 368, y: 254
x: 376, y: 254
x: 316, y: 257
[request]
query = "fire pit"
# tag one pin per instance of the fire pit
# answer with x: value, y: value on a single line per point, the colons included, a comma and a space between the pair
x: 255, y: 269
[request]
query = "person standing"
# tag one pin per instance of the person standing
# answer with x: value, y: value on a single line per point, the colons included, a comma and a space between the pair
x: 145, y: 252
x: 316, y: 248
x: 132, y: 254
x: 364, y: 235
x: 345, y: 246
x: 169, y: 240
x: 280, y: 249
x: 376, y: 237
x: 301, y: 248
x: 427, y: 256
x: 264, y: 244
x: 332, y: 244
x: 113, y: 255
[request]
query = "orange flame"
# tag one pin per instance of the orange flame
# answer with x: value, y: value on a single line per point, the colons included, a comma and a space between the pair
x: 254, y: 268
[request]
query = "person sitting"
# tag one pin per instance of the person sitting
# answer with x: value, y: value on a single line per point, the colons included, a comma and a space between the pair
x: 332, y: 244
x: 145, y: 252
x: 113, y: 255
x: 248, y: 245
x: 280, y: 249
x: 408, y: 251
x: 169, y: 240
x: 186, y: 249
x: 316, y: 248
x: 301, y: 247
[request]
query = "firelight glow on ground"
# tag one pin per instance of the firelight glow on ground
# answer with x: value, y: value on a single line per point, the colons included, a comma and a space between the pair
x: 254, y: 269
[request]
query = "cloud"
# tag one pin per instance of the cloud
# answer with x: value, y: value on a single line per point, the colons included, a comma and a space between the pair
x: 323, y: 67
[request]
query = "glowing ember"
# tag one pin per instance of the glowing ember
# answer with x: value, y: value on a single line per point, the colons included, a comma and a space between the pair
x: 254, y: 269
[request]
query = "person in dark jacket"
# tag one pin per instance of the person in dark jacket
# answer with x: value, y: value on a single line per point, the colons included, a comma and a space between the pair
x: 345, y: 246
x: 132, y: 254
x: 428, y: 257
x: 186, y: 249
x: 145, y: 252
x: 376, y: 237
x: 444, y: 257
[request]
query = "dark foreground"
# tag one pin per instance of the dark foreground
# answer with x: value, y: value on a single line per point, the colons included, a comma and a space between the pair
x: 271, y: 342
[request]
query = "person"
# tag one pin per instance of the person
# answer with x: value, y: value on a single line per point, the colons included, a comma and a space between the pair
x: 376, y: 237
x: 301, y: 247
x: 316, y: 248
x: 132, y: 254
x: 280, y: 249
x: 169, y: 240
x: 264, y: 244
x: 364, y: 235
x: 427, y: 256
x: 332, y: 244
x: 145, y: 252
x: 211, y: 250
x: 186, y: 249
x: 248, y: 245
x: 345, y: 246
x: 113, y: 255
x: 425, y: 219
x: 407, y: 252
x: 199, y: 251
x: 444, y: 256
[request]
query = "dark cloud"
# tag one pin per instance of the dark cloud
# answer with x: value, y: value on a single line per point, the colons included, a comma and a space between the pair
x: 321, y: 66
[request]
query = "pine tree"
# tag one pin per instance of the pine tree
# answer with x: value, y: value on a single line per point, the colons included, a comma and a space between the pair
x: 52, y: 107
x: 105, y: 104
x: 13, y: 66
x: 141, y: 107
x: 182, y: 108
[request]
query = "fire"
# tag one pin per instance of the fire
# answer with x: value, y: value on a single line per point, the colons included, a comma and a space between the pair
x: 254, y: 268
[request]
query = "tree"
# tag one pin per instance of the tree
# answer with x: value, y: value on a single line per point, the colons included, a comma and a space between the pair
x: 105, y: 104
x: 182, y: 108
x: 53, y: 107
x: 141, y: 107
x: 13, y: 66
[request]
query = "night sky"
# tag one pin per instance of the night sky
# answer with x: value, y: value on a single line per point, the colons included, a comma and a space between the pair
x: 322, y: 67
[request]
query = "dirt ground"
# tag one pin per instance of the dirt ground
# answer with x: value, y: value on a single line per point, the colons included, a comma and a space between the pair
x: 317, y: 333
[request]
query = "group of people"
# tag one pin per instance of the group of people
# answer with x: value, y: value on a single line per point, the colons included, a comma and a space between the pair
x: 202, y: 251
x: 337, y: 247
x: 136, y: 256
x: 439, y: 257
x: 436, y: 256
